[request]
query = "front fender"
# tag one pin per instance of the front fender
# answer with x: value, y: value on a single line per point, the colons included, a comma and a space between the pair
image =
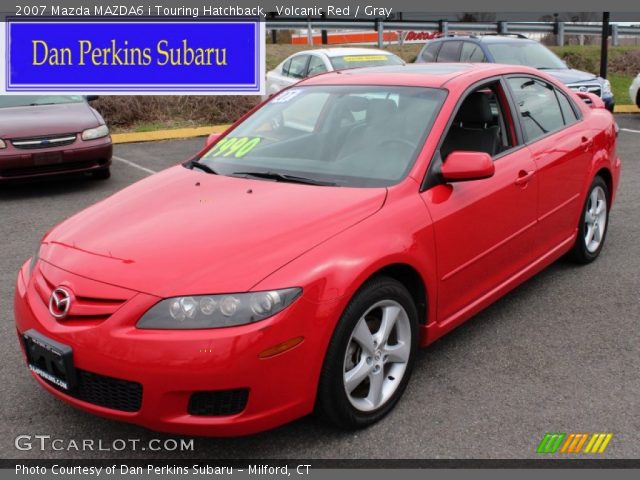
x: 332, y: 272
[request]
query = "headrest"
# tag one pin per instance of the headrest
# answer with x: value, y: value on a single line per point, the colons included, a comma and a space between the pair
x: 380, y: 109
x: 354, y: 103
x: 475, y: 109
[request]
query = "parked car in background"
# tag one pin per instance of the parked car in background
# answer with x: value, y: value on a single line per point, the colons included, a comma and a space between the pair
x: 313, y: 62
x: 345, y: 222
x: 514, y: 49
x: 634, y: 93
x: 52, y: 135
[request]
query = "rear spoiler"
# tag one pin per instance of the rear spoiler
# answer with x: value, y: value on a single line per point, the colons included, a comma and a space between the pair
x: 591, y: 99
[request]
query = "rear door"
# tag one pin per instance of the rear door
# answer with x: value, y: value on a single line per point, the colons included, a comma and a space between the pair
x: 562, y: 150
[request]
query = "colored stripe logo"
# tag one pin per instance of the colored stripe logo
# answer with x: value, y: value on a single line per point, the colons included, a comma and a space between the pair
x: 572, y: 443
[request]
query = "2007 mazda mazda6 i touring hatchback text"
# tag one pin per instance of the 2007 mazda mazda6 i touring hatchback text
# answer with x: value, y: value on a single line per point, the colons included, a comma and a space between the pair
x: 298, y: 261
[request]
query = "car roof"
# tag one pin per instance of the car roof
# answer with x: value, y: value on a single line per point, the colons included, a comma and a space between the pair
x: 416, y: 74
x: 487, y: 39
x: 341, y: 51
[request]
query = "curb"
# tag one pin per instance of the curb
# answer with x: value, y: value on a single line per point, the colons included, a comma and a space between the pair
x: 626, y: 109
x: 166, y: 134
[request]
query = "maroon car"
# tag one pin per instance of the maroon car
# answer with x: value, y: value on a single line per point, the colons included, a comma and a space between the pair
x: 52, y: 135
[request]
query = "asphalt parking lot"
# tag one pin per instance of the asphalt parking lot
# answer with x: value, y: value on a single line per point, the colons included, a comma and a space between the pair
x: 559, y: 354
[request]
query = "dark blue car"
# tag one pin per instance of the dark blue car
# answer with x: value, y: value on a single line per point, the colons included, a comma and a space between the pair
x: 514, y: 50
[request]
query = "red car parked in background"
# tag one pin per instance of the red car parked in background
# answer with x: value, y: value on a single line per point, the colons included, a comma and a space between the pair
x: 44, y: 135
x: 298, y: 261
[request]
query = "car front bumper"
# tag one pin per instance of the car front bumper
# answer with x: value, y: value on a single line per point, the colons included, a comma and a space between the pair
x: 172, y: 365
x: 80, y: 156
x: 609, y: 102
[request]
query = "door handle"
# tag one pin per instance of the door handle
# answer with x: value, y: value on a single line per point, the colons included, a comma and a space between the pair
x: 524, y: 177
x: 587, y: 142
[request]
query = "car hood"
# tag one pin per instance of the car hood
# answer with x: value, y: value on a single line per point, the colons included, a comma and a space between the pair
x: 18, y: 122
x: 184, y: 232
x: 569, y: 75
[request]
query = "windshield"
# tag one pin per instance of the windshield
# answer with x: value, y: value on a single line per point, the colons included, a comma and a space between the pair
x: 29, y: 100
x: 360, y: 136
x: 353, y: 61
x: 525, y: 53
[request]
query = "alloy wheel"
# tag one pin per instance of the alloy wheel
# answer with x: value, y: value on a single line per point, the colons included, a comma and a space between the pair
x: 377, y: 355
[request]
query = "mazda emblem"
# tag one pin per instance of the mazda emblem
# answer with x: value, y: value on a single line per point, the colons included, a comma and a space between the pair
x: 60, y: 302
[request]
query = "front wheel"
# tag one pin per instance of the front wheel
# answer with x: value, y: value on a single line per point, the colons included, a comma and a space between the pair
x: 370, y: 356
x: 594, y: 221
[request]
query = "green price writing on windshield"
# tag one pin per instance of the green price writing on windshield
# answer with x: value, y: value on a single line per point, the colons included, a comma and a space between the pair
x: 236, y: 147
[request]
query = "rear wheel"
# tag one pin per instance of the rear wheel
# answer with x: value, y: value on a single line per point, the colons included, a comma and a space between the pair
x: 594, y: 221
x: 371, y: 355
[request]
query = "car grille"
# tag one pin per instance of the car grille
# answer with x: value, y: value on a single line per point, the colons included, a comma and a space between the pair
x: 594, y: 88
x: 44, y: 142
x: 84, y: 309
x: 218, y: 403
x: 105, y: 391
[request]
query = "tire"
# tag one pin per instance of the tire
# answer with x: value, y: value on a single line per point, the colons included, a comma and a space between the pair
x: 102, y: 174
x: 593, y: 225
x: 362, y: 324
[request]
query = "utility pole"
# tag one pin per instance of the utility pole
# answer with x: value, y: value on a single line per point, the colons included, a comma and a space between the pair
x: 604, y: 49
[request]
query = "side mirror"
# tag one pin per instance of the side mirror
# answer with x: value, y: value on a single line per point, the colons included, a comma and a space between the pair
x: 91, y: 98
x: 460, y: 166
x: 211, y: 138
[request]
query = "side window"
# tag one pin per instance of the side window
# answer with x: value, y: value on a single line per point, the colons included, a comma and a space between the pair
x: 316, y: 66
x: 471, y: 52
x: 480, y: 124
x: 450, y: 52
x: 538, y: 106
x: 285, y: 67
x: 298, y: 66
x: 568, y: 111
x: 430, y: 51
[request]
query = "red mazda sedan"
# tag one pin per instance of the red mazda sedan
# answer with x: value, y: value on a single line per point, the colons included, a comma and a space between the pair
x: 298, y: 262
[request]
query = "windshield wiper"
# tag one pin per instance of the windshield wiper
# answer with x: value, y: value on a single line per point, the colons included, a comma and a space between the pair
x: 201, y: 166
x: 283, y: 177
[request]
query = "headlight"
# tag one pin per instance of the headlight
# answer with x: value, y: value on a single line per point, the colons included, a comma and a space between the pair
x: 2, y: 144
x: 216, y: 311
x: 606, y: 87
x: 93, y: 133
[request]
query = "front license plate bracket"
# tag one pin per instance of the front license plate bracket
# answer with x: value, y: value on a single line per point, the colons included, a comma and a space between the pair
x: 51, y: 360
